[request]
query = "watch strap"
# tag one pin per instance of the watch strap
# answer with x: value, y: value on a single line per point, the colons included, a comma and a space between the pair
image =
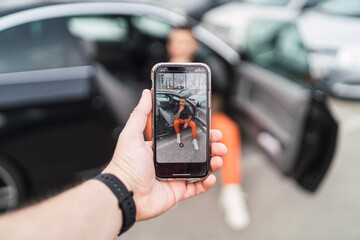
x: 125, y: 197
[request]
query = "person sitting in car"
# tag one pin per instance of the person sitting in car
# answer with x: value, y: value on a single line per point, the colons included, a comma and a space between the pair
x: 183, y: 115
x: 183, y: 47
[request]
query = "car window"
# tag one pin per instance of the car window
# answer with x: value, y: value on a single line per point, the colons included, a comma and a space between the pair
x: 277, y: 46
x: 312, y: 3
x: 177, y: 99
x: 39, y: 45
x: 99, y: 28
x: 126, y: 45
x: 260, y: 42
x: 151, y: 26
x: 292, y: 53
x: 269, y: 2
x: 110, y: 37
x: 202, y: 103
x: 162, y: 97
x: 341, y: 7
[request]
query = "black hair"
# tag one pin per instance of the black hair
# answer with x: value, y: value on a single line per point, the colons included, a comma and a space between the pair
x: 182, y: 98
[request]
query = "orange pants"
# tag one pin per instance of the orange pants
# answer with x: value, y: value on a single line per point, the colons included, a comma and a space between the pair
x: 177, y: 122
x: 231, y: 172
x: 231, y: 169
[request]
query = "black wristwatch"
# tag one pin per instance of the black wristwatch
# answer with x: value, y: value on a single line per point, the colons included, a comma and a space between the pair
x: 126, y: 201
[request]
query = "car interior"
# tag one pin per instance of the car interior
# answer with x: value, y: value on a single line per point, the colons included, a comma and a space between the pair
x: 125, y: 48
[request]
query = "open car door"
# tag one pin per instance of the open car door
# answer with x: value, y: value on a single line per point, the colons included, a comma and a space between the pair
x: 282, y: 111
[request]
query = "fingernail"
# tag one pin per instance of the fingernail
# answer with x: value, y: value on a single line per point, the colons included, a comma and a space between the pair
x: 144, y: 92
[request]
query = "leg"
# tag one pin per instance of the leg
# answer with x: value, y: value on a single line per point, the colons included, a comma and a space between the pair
x: 176, y: 126
x: 177, y: 123
x: 148, y: 129
x: 192, y: 124
x: 231, y: 169
x: 231, y: 196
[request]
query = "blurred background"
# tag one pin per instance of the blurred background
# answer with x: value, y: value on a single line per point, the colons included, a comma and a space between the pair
x: 71, y: 73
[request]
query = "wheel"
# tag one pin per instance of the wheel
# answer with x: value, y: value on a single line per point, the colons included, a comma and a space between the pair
x: 12, y: 189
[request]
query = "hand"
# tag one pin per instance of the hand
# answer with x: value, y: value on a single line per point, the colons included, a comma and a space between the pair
x: 133, y: 164
x: 186, y: 125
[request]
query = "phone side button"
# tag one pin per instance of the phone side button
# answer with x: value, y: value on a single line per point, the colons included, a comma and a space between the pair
x: 209, y: 97
x: 210, y: 118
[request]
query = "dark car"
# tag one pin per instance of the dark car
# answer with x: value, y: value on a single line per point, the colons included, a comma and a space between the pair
x: 71, y: 73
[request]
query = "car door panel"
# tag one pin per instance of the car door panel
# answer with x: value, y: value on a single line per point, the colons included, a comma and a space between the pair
x: 280, y: 108
x: 317, y: 147
x: 45, y: 86
x: 287, y: 117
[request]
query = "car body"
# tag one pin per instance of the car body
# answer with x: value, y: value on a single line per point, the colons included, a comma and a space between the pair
x: 194, y: 9
x: 195, y: 98
x: 229, y: 21
x: 330, y: 34
x: 73, y: 72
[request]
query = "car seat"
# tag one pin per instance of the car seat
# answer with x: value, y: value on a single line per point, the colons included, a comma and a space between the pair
x: 169, y: 118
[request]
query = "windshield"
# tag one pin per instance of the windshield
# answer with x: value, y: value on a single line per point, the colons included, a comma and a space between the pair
x: 341, y: 7
x: 268, y: 2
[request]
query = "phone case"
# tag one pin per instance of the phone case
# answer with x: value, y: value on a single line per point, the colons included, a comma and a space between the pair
x: 153, y: 115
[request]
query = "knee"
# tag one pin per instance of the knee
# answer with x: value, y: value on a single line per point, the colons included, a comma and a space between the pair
x: 225, y: 124
x: 176, y: 122
x: 192, y: 124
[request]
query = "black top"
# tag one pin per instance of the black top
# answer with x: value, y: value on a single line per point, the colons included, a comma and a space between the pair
x: 185, y: 114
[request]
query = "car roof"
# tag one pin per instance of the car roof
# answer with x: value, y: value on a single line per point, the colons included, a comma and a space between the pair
x: 38, y: 11
x: 9, y: 9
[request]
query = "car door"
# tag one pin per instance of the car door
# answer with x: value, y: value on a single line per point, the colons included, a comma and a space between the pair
x: 66, y: 73
x: 284, y: 113
x: 51, y: 130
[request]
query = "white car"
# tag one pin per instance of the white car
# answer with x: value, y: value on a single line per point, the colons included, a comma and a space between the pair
x: 196, y: 98
x: 330, y: 32
x: 230, y: 21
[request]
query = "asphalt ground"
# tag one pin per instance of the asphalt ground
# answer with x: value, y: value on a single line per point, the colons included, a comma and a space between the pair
x: 168, y: 150
x: 279, y: 208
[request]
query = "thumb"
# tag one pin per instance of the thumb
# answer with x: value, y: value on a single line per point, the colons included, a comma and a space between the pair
x: 138, y: 118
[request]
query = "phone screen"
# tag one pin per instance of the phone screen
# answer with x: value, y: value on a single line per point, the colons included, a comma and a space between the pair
x: 181, y: 117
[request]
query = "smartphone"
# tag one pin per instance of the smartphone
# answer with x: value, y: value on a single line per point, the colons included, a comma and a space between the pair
x: 181, y: 120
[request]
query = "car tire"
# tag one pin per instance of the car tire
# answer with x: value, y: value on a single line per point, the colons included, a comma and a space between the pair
x: 12, y: 190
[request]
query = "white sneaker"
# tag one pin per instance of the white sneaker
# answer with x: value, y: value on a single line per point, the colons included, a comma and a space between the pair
x: 195, y: 143
x: 234, y: 206
x: 178, y: 140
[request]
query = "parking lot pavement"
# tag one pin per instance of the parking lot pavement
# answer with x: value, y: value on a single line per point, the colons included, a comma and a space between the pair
x: 167, y: 146
x: 279, y: 209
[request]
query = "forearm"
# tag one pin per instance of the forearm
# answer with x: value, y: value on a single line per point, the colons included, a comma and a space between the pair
x: 88, y: 211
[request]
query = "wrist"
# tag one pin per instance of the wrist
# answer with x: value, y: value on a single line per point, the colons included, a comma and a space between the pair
x: 124, y: 198
x: 107, y: 203
x: 106, y: 194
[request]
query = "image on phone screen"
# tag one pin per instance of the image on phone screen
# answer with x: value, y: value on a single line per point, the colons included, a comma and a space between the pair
x: 181, y: 106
